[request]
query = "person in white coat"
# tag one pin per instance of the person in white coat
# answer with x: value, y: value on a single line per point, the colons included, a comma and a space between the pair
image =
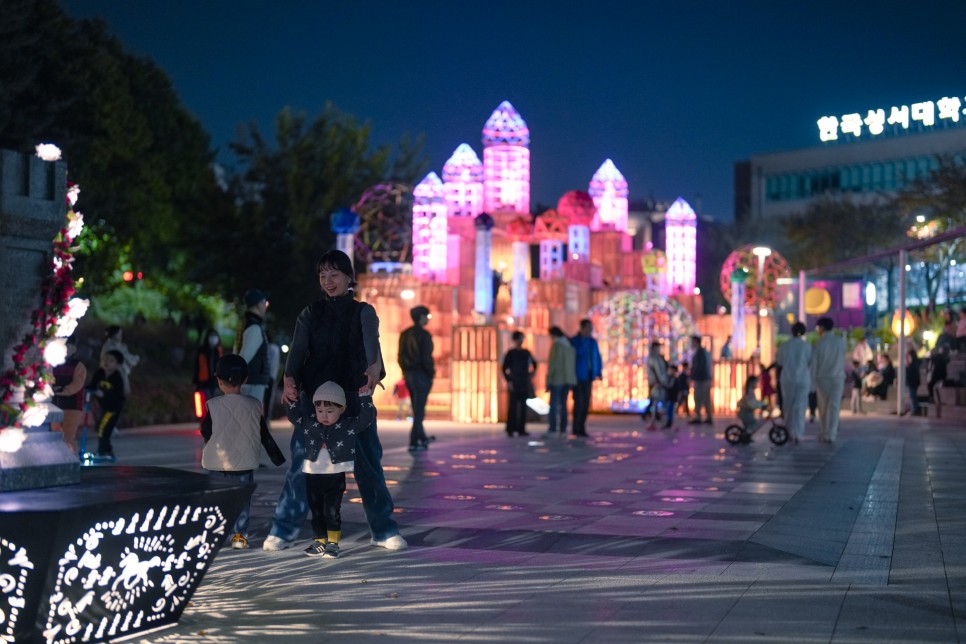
x: 828, y: 376
x: 795, y: 357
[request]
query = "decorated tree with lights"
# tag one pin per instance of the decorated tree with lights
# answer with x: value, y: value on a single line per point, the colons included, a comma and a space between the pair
x: 27, y: 382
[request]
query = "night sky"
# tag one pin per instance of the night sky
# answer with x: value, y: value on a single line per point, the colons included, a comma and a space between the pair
x: 674, y: 92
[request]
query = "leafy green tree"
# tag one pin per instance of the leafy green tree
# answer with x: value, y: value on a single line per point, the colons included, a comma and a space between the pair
x: 285, y: 192
x: 834, y: 229
x: 935, y: 204
x: 143, y: 162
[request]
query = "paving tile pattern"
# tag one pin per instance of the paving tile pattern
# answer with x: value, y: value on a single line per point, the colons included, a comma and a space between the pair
x: 630, y: 536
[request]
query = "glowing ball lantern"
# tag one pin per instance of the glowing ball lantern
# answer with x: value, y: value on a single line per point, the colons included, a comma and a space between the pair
x: 578, y: 208
x: 907, y: 329
x: 680, y: 224
x: 463, y: 183
x: 609, y: 191
x: 506, y: 161
x: 773, y: 268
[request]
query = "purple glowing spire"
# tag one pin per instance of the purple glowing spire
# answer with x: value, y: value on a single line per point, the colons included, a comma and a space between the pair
x: 506, y: 127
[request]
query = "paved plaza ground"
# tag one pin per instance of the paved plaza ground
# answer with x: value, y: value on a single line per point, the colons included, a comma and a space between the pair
x: 628, y: 536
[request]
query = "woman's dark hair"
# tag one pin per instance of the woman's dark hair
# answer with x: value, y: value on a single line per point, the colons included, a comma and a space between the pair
x: 556, y: 331
x: 798, y: 329
x: 338, y: 261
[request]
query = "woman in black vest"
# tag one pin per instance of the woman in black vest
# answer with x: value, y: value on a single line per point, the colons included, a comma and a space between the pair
x: 336, y: 338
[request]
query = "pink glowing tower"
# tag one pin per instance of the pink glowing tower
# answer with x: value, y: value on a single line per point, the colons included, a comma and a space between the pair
x: 463, y: 183
x: 679, y: 229
x: 429, y: 230
x: 609, y: 190
x: 506, y: 162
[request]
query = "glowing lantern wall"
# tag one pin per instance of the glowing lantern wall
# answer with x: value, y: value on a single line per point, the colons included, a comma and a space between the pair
x: 679, y: 228
x: 429, y: 230
x: 609, y: 191
x: 506, y: 161
x: 463, y: 183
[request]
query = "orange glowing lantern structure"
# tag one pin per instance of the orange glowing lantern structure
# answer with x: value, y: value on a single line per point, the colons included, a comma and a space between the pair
x: 900, y: 329
x: 550, y: 229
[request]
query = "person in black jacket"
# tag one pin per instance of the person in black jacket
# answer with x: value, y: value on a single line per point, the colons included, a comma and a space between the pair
x: 518, y: 369
x: 416, y: 361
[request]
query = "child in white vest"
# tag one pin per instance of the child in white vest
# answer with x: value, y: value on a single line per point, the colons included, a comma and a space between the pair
x: 235, y: 430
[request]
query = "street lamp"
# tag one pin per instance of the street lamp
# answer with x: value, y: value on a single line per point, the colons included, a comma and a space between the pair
x: 761, y: 252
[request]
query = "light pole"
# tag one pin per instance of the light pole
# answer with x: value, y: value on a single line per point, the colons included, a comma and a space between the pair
x: 761, y: 252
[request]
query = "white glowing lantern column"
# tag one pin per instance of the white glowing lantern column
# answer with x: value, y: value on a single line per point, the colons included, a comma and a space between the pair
x: 680, y: 224
x: 506, y: 161
x: 609, y: 191
x: 429, y: 230
x: 520, y: 232
x: 483, y: 280
x: 345, y: 225
x: 463, y: 183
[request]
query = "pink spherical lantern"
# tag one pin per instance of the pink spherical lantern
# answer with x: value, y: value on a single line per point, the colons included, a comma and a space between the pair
x: 578, y: 208
x: 774, y: 267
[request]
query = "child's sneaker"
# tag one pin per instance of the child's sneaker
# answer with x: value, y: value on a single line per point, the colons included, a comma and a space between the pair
x: 316, y: 548
x: 331, y: 550
x: 239, y: 542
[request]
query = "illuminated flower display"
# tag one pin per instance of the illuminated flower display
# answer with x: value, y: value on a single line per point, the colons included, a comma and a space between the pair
x: 628, y: 322
x: 386, y: 230
x: 23, y: 384
x: 775, y: 268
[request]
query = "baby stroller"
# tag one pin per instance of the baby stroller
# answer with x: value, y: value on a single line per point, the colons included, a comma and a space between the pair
x: 738, y: 435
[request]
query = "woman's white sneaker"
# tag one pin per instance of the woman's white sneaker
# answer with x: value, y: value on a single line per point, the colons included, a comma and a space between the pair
x: 395, y: 542
x: 276, y: 543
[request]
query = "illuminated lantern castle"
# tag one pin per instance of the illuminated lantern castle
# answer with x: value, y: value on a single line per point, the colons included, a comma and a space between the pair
x: 486, y: 266
x: 506, y: 162
x: 609, y: 191
x: 680, y: 225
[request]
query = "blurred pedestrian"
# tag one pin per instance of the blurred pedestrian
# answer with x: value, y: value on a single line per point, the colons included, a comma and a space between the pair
x: 702, y: 375
x: 70, y: 378
x: 114, y: 341
x: 795, y: 358
x: 519, y: 367
x: 107, y: 396
x: 206, y: 360
x: 561, y: 378
x: 828, y: 378
x: 252, y: 345
x: 657, y: 384
x: 589, y: 368
x: 419, y: 370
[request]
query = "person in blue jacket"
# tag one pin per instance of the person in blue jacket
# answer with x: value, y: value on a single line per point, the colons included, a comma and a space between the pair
x: 589, y: 368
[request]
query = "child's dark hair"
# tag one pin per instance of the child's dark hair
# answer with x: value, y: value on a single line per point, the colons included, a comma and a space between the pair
x: 232, y: 369
x: 117, y: 355
x: 517, y: 336
x: 750, y: 383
